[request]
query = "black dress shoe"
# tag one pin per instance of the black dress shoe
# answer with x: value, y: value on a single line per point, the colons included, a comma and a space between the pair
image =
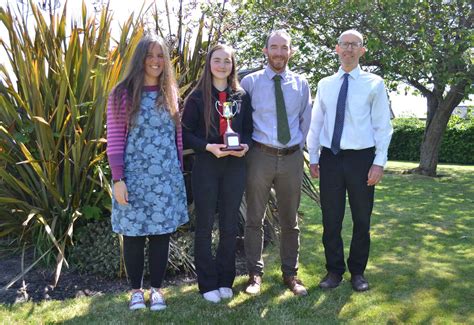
x: 330, y: 281
x: 359, y: 283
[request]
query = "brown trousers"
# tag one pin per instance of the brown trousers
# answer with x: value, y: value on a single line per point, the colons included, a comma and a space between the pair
x: 285, y: 173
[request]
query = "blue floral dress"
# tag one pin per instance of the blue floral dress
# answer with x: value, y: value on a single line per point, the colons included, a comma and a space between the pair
x: 156, y: 192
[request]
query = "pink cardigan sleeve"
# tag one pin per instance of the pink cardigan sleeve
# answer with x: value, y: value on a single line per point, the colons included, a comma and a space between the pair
x: 179, y: 144
x: 116, y: 134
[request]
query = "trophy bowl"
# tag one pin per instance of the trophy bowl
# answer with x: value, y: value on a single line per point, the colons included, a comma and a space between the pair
x: 230, y: 137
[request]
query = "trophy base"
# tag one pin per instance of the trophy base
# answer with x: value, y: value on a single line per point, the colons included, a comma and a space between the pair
x: 232, y: 142
x: 233, y: 148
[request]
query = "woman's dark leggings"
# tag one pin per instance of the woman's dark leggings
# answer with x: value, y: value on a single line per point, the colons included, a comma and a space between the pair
x: 134, y: 254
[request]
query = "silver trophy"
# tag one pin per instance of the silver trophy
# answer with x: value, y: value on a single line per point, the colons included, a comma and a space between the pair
x: 231, y: 138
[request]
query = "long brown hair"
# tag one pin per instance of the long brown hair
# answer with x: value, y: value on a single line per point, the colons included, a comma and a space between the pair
x: 133, y: 81
x: 205, y: 83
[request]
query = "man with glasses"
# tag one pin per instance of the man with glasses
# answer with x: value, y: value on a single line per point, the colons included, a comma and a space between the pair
x: 348, y: 142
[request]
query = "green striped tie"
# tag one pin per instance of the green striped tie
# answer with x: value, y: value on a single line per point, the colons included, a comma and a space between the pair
x: 283, y: 128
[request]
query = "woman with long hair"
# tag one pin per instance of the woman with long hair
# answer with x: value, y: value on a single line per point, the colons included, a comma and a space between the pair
x: 218, y: 176
x: 144, y: 148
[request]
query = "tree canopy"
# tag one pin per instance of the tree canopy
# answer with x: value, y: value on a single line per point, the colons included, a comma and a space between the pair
x: 426, y: 44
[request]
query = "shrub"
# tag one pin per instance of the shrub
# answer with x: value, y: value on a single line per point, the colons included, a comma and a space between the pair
x: 52, y: 116
x: 458, y: 142
x: 406, y: 139
x: 97, y: 250
x: 457, y: 145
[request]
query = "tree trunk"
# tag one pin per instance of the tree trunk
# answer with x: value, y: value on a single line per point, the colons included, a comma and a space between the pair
x: 431, y: 143
x: 439, y: 112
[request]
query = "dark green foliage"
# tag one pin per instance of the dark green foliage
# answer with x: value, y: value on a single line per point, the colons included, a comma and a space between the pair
x: 457, y: 146
x: 458, y: 142
x: 96, y: 250
x: 53, y: 174
x: 406, y: 139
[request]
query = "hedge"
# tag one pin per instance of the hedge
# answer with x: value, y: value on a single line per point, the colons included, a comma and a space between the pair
x: 457, y: 146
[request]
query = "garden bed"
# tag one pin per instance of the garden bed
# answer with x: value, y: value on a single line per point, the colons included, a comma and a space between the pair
x: 36, y: 285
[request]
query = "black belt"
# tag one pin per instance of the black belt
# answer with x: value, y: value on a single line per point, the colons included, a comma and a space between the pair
x: 370, y: 149
x: 277, y: 151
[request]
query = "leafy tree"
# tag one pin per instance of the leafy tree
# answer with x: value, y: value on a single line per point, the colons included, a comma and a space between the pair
x: 426, y: 44
x: 429, y: 46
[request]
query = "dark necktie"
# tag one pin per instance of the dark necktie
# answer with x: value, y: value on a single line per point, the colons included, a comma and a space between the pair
x: 339, y: 121
x: 283, y: 128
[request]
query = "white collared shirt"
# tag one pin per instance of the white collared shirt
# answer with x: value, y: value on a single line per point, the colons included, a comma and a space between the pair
x: 366, y: 119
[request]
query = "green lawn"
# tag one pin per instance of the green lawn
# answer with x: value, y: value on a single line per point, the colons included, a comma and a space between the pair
x: 421, y: 269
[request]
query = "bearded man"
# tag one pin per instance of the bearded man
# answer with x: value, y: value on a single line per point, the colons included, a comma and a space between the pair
x: 281, y: 101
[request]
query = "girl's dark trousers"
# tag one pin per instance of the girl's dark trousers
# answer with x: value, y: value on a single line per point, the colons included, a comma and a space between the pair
x: 218, y: 185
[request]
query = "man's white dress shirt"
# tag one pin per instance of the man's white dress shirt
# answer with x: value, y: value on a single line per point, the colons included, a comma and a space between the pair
x: 366, y: 120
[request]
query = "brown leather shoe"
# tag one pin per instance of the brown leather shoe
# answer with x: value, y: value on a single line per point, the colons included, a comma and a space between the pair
x: 295, y: 285
x: 253, y: 284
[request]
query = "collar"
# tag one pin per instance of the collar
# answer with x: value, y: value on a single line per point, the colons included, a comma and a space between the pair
x: 270, y: 73
x: 216, y: 91
x: 354, y: 73
x: 151, y: 88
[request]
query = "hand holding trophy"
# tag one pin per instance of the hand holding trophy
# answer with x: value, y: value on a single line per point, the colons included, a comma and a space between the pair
x: 231, y: 138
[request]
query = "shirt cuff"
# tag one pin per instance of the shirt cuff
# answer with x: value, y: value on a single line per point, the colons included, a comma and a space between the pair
x: 380, y: 160
x: 314, y: 158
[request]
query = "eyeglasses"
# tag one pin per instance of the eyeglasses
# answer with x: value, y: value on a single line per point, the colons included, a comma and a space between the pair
x: 354, y: 45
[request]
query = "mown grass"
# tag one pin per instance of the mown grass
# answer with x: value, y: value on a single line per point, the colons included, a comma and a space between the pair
x: 420, y: 270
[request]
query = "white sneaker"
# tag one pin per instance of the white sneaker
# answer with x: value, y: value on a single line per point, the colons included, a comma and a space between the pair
x: 226, y: 293
x: 212, y: 296
x: 137, y: 301
x: 253, y: 284
x: 157, y: 301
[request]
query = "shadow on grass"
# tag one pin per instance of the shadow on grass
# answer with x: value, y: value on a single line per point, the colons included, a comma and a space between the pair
x: 422, y: 239
x: 421, y: 252
x: 274, y: 305
x: 420, y: 268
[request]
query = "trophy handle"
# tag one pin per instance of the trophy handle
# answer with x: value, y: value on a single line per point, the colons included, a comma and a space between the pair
x: 217, y: 104
x: 237, y: 104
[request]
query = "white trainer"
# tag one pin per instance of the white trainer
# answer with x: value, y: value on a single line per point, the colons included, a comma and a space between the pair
x: 212, y: 296
x: 226, y: 293
x: 157, y: 300
x: 137, y: 301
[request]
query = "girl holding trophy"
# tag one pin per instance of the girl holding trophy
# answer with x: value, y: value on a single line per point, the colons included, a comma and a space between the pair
x: 217, y: 124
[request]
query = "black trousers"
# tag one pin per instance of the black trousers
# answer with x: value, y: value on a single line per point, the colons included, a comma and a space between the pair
x: 218, y: 185
x: 134, y: 254
x: 346, y: 171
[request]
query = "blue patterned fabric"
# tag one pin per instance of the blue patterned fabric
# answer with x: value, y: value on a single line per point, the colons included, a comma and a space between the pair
x: 156, y: 192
